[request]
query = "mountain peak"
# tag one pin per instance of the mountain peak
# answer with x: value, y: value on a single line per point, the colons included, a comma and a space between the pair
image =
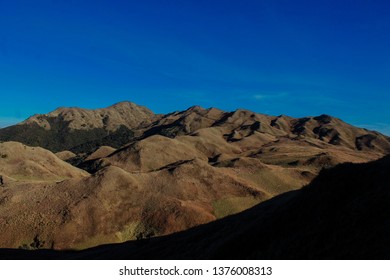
x: 196, y: 109
x: 124, y: 104
x: 111, y: 118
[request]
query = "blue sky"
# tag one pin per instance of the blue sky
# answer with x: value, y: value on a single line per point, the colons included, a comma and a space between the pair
x: 298, y: 57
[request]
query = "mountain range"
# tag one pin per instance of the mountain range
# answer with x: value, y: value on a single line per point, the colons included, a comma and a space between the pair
x: 75, y: 179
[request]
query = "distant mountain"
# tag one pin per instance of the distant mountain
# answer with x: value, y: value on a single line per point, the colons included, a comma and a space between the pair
x: 78, y: 129
x: 121, y: 114
x: 342, y: 214
x: 84, y: 131
x: 242, y: 124
x: 221, y: 138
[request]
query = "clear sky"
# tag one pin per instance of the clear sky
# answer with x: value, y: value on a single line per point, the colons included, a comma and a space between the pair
x: 299, y: 58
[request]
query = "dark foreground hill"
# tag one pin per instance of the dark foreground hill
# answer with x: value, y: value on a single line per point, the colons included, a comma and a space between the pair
x: 343, y: 214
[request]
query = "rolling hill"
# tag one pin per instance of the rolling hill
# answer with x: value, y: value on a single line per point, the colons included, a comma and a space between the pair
x: 342, y: 214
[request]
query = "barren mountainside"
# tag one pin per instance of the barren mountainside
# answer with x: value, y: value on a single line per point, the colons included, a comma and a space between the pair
x: 137, y: 175
x: 342, y: 214
x: 80, y: 130
x: 125, y: 113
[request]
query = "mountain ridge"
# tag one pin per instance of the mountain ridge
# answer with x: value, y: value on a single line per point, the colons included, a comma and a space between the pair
x: 78, y: 129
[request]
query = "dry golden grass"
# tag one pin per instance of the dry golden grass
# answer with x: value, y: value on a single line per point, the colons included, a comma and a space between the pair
x: 24, y: 163
x: 65, y: 155
x: 102, y: 152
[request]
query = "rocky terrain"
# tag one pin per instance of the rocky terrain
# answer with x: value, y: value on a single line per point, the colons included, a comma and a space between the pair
x: 123, y: 173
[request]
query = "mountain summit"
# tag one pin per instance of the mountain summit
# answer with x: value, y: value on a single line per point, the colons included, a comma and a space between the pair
x: 80, y: 129
x: 125, y: 114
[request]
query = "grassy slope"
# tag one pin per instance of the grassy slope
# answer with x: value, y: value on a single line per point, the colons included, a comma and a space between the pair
x: 342, y: 214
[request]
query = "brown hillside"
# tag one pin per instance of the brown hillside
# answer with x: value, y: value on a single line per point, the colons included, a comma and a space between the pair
x: 23, y: 163
x: 65, y: 155
x: 343, y: 214
x: 102, y: 152
x: 114, y: 205
x: 244, y: 126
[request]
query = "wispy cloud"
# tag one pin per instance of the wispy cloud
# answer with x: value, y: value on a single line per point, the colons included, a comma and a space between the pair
x: 263, y: 96
x: 259, y: 96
